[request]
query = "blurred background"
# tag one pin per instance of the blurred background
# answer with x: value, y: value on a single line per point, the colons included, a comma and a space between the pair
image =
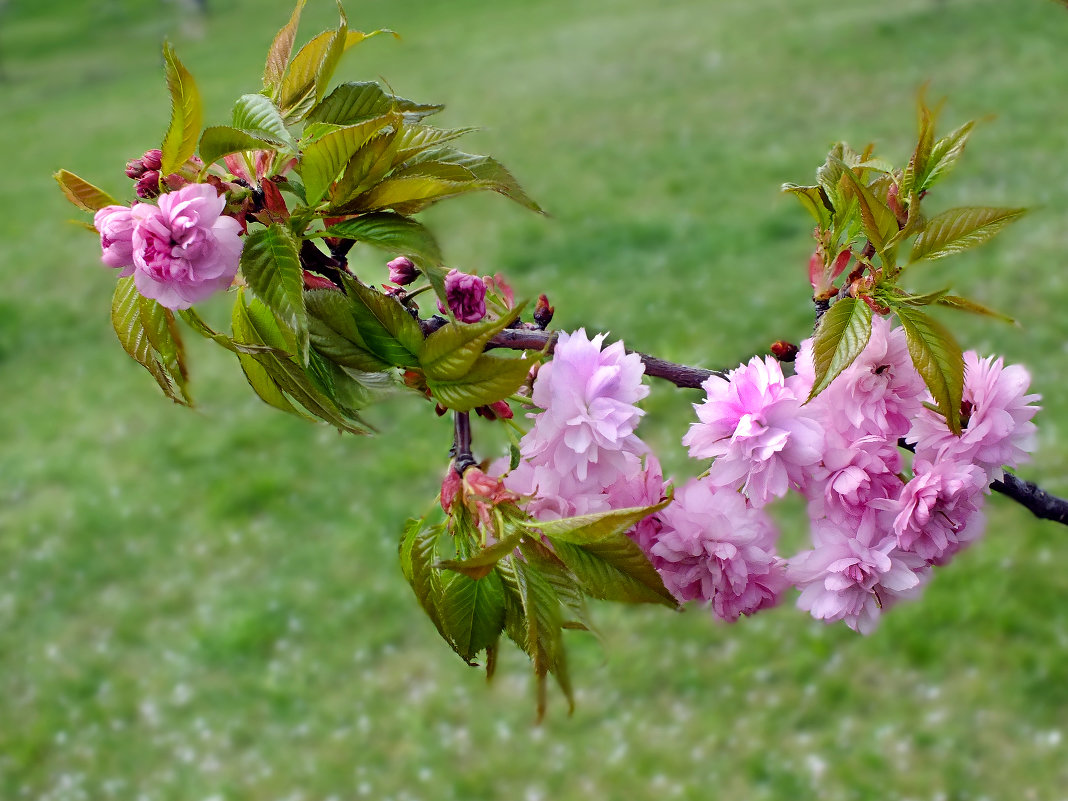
x: 206, y: 605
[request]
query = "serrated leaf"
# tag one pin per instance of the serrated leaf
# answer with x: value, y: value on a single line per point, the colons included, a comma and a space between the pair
x: 355, y: 102
x: 297, y: 87
x: 938, y: 359
x: 409, y: 195
x: 388, y: 329
x: 258, y: 116
x: 450, y: 352
x: 418, y: 553
x: 270, y: 263
x: 829, y: 176
x: 146, y: 333
x: 843, y: 334
x: 266, y: 388
x: 812, y: 199
x: 917, y: 168
x: 334, y: 333
x: 615, y: 569
x: 323, y: 159
x: 194, y: 321
x: 925, y: 299
x: 451, y: 164
x: 281, y: 50
x: 879, y: 222
x: 392, y: 233
x: 186, y: 114
x: 472, y: 612
x: 965, y: 305
x: 490, y: 379
x: 959, y: 229
x: 415, y: 139
x: 483, y: 562
x: 594, y: 527
x: 222, y: 140
x: 366, y: 168
x: 82, y: 193
x: 563, y: 582
x: 945, y: 153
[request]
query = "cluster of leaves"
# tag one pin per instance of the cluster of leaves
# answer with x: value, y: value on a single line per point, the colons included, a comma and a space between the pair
x: 345, y: 166
x: 865, y: 212
x: 530, y: 583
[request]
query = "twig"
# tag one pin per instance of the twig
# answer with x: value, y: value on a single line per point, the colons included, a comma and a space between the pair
x: 461, y: 443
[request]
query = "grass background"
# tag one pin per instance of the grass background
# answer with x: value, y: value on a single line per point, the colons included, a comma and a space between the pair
x: 207, y: 605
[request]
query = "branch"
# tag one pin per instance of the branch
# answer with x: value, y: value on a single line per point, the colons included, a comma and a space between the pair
x: 1032, y: 497
x: 680, y: 375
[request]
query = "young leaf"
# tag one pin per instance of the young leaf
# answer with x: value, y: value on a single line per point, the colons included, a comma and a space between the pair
x: 945, y: 153
x: 409, y: 195
x: 386, y: 327
x: 82, y: 193
x: 843, y: 333
x: 271, y: 265
x: 324, y: 158
x: 258, y: 116
x: 483, y: 562
x: 298, y: 85
x: 222, y: 140
x: 615, y: 569
x: 965, y: 305
x: 351, y: 103
x: 959, y: 229
x: 268, y: 390
x: 594, y: 527
x: 144, y: 329
x: 811, y: 197
x: 490, y: 379
x: 415, y: 139
x: 392, y: 233
x: 450, y: 352
x: 918, y: 167
x: 366, y: 168
x: 281, y: 49
x: 334, y: 333
x: 879, y: 222
x: 418, y: 553
x: 186, y: 114
x: 451, y: 164
x: 472, y: 612
x: 938, y: 358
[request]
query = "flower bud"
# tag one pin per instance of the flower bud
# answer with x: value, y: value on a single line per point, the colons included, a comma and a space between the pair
x: 784, y: 351
x: 402, y: 271
x: 153, y: 159
x: 134, y: 169
x: 543, y: 312
x: 450, y: 489
x: 175, y: 181
x: 148, y: 185
x: 466, y: 295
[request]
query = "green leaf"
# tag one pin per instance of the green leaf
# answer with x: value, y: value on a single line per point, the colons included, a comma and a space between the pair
x: 445, y: 162
x: 409, y: 194
x: 615, y: 569
x: 829, y: 176
x: 418, y: 553
x: 472, y: 612
x: 594, y: 527
x: 938, y: 358
x: 483, y: 562
x: 334, y: 333
x: 351, y: 103
x: 186, y: 114
x: 82, y: 193
x: 270, y: 262
x: 811, y: 197
x: 913, y: 175
x: 258, y: 116
x: 281, y: 49
x: 222, y: 140
x: 324, y: 158
x: 959, y: 229
x: 490, y: 379
x: 879, y: 222
x: 146, y: 331
x: 389, y: 331
x: 415, y: 139
x: 563, y: 582
x: 392, y: 233
x: 451, y: 351
x: 366, y: 168
x: 965, y: 305
x: 945, y: 153
x: 296, y: 92
x: 843, y: 333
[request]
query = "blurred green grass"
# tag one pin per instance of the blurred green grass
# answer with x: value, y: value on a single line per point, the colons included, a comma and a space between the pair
x: 207, y: 605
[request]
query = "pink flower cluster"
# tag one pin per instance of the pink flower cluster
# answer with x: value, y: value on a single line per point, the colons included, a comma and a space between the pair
x: 179, y: 251
x: 876, y: 531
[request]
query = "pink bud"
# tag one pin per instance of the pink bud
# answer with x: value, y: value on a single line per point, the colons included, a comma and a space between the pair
x: 134, y: 169
x: 450, y: 489
x: 466, y: 295
x: 153, y: 159
x: 148, y: 185
x: 402, y: 271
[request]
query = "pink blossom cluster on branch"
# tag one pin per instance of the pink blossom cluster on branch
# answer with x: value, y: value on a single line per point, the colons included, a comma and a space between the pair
x: 876, y: 531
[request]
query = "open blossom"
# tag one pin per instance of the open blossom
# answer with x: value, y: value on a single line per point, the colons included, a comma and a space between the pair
x: 938, y: 511
x: 852, y: 474
x: 466, y: 296
x: 184, y: 249
x: 997, y: 428
x: 753, y: 425
x: 116, y: 237
x: 852, y: 575
x: 714, y: 546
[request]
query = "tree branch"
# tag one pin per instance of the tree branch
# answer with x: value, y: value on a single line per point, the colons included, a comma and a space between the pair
x: 1033, y: 498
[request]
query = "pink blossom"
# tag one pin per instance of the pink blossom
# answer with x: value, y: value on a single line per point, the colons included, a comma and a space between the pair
x: 116, y: 237
x: 714, y: 546
x: 402, y: 271
x: 997, y: 427
x: 184, y: 249
x: 753, y: 425
x: 636, y: 488
x: 938, y: 511
x: 466, y: 296
x: 852, y: 474
x: 852, y: 575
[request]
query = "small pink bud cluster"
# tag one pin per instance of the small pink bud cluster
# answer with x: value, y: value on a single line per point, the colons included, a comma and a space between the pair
x: 179, y: 251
